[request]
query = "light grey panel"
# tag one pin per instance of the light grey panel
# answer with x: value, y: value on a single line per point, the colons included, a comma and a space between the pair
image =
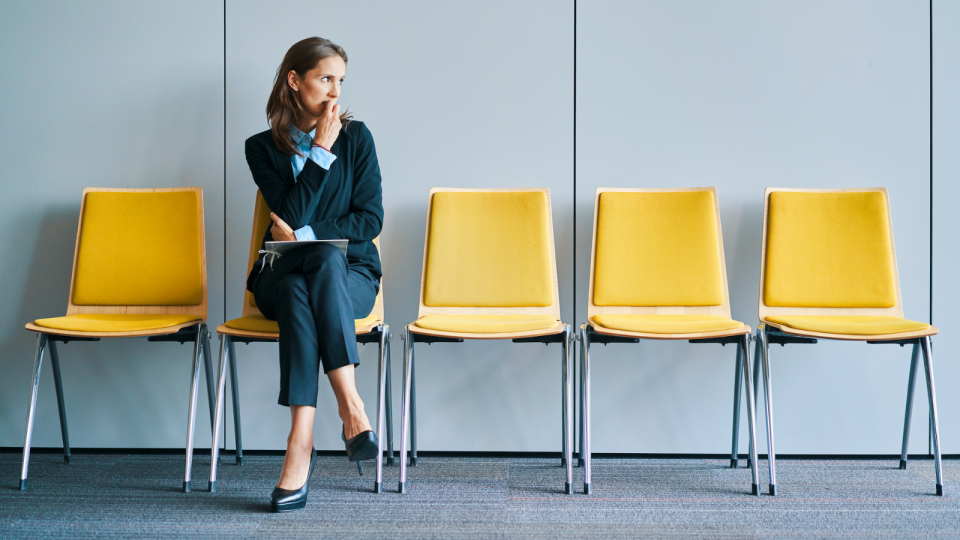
x: 743, y: 95
x: 107, y: 94
x: 475, y: 94
x: 946, y: 219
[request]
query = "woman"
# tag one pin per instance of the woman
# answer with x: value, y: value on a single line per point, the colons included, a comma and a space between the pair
x: 319, y: 175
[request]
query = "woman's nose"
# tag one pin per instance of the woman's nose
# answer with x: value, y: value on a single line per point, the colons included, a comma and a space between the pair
x: 334, y: 91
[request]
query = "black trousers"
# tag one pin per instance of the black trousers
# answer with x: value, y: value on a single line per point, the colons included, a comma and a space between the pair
x: 314, y: 296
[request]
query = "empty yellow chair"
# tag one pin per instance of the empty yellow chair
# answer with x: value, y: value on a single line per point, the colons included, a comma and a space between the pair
x: 657, y: 272
x: 139, y: 270
x: 489, y: 272
x: 253, y: 327
x: 829, y: 271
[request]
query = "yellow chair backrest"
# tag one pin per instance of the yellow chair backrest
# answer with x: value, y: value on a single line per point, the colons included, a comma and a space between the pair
x: 489, y: 251
x: 140, y: 251
x: 828, y: 252
x: 657, y: 251
x: 261, y: 222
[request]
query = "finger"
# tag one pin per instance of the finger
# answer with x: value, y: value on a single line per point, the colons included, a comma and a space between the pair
x: 336, y: 110
x: 331, y: 105
x: 278, y: 222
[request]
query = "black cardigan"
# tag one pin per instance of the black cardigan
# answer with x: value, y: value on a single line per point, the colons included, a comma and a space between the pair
x: 343, y: 202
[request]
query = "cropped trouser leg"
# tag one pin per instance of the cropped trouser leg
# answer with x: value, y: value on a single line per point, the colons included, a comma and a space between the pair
x: 314, y: 296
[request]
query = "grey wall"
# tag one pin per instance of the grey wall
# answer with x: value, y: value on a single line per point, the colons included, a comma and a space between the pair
x: 946, y: 219
x: 741, y: 96
x: 107, y: 94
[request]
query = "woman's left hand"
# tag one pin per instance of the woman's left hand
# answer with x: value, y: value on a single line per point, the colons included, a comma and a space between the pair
x: 280, y: 231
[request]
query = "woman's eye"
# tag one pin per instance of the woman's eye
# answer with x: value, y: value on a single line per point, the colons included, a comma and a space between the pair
x: 325, y: 79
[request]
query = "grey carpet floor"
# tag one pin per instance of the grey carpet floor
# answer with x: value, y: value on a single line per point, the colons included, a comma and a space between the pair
x: 137, y: 496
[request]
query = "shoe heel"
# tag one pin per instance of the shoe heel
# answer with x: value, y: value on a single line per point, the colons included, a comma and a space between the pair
x: 290, y: 506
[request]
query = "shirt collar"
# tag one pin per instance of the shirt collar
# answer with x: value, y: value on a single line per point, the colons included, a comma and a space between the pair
x: 301, y: 139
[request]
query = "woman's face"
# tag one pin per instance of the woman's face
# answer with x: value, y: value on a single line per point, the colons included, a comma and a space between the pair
x: 319, y: 85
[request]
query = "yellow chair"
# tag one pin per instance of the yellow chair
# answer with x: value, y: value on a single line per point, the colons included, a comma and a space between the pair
x: 657, y: 271
x: 253, y: 327
x: 489, y: 272
x: 829, y: 271
x: 139, y: 270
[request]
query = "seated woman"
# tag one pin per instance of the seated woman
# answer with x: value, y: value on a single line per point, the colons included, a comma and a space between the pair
x: 318, y: 173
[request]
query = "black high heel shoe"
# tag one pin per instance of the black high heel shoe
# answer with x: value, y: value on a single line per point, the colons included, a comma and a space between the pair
x: 285, y: 500
x: 363, y: 447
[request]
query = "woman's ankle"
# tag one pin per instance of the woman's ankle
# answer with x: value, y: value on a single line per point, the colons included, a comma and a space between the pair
x: 299, y: 442
x: 355, y: 421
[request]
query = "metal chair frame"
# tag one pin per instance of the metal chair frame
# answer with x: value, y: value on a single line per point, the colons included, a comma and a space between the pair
x: 379, y: 334
x: 196, y: 333
x: 409, y: 407
x: 589, y: 336
x: 766, y: 336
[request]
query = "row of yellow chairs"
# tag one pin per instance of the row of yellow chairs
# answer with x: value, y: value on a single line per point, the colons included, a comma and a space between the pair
x: 489, y: 272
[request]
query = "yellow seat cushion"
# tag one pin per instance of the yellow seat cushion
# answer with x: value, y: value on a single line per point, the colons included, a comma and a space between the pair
x: 489, y: 249
x: 486, y: 324
x: 139, y: 249
x: 850, y: 325
x: 114, y: 322
x: 657, y: 249
x: 259, y: 323
x: 829, y: 250
x: 667, y: 324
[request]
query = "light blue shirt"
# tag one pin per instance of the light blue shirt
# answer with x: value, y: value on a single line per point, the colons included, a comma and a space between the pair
x: 303, y: 142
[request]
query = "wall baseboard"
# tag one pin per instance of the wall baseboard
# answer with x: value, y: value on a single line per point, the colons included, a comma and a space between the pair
x: 468, y: 454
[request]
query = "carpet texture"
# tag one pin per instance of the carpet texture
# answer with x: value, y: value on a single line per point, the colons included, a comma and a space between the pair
x: 137, y: 496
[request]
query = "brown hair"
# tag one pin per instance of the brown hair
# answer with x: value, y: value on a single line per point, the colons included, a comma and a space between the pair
x: 284, y: 107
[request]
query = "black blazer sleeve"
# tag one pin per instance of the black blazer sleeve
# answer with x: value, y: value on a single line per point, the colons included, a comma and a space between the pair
x: 364, y: 220
x: 295, y: 204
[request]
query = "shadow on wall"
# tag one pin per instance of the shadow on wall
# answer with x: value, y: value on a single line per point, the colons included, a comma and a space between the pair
x: 402, y: 268
x: 742, y: 256
x: 44, y: 294
x: 47, y: 286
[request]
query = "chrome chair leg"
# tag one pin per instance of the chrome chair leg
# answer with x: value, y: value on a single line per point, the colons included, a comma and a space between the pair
x: 413, y: 405
x: 404, y: 408
x: 192, y: 414
x: 563, y: 407
x: 37, y: 362
x: 61, y: 404
x: 218, y: 419
x: 581, y: 389
x: 381, y: 398
x: 757, y: 355
x: 235, y: 392
x: 911, y: 384
x: 389, y: 405
x: 752, y: 451
x: 751, y: 413
x: 768, y: 400
x: 568, y: 407
x: 208, y: 369
x: 738, y: 370
x: 585, y: 405
x: 927, y: 349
